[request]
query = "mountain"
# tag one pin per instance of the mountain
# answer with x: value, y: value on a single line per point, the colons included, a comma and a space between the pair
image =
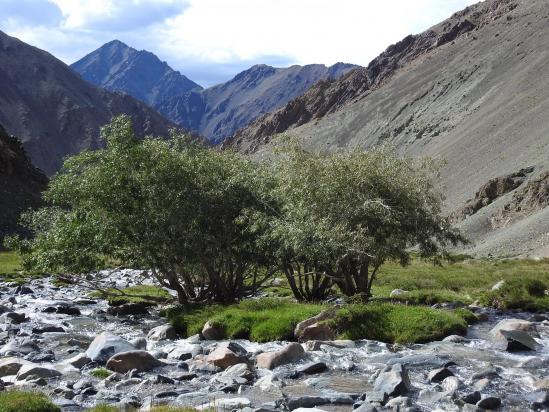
x: 118, y: 67
x: 20, y: 184
x: 216, y: 112
x: 54, y: 111
x: 219, y: 111
x: 473, y: 90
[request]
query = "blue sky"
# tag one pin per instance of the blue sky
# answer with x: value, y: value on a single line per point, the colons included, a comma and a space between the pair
x: 212, y: 40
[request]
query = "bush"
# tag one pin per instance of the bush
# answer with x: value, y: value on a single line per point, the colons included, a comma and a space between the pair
x: 395, y: 323
x: 20, y: 401
x: 261, y: 320
x: 100, y: 373
x: 524, y: 294
x: 535, y: 287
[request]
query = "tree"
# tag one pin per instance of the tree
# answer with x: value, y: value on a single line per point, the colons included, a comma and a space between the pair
x: 341, y: 216
x: 174, y: 207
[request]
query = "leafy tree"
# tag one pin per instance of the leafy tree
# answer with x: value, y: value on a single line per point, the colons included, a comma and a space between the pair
x: 341, y: 216
x: 173, y: 206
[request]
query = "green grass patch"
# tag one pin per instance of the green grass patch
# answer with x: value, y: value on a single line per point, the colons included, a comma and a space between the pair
x: 20, y: 401
x: 11, y: 269
x: 261, y: 320
x: 525, y: 294
x: 396, y: 323
x: 100, y: 373
x: 145, y: 294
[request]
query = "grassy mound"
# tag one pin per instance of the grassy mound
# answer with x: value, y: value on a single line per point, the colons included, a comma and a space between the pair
x: 19, y: 401
x: 145, y: 294
x: 100, y: 373
x: 395, y: 323
x: 261, y: 320
x: 525, y: 294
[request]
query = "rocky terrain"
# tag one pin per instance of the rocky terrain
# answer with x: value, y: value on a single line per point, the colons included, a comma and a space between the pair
x: 120, y: 68
x: 56, y: 339
x: 468, y: 90
x: 20, y: 183
x: 54, y: 111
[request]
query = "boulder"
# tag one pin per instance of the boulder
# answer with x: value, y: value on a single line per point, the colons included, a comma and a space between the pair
x: 490, y: 402
x: 240, y: 370
x: 539, y: 400
x: 518, y: 340
x: 105, y: 345
x: 312, y: 368
x: 511, y: 325
x: 140, y: 360
x: 67, y: 310
x: 128, y: 309
x: 36, y: 371
x: 163, y: 332
x: 290, y: 353
x: 22, y: 348
x: 397, y: 292
x: 212, y: 332
x: 269, y: 383
x: 10, y: 366
x: 314, y: 345
x: 438, y: 375
x: 47, y: 329
x: 16, y: 317
x: 139, y: 343
x: 393, y: 382
x: 77, y: 361
x: 315, y: 328
x: 223, y: 357
x: 471, y: 398
x: 23, y: 290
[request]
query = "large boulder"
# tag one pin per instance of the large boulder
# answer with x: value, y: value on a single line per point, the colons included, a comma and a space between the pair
x: 315, y: 328
x: 19, y: 348
x: 212, y: 332
x: 140, y: 360
x: 223, y: 357
x: 128, y: 309
x: 10, y: 366
x: 393, y: 382
x: 36, y: 371
x: 514, y: 335
x: 517, y: 340
x: 105, y: 345
x: 290, y: 353
x: 163, y: 332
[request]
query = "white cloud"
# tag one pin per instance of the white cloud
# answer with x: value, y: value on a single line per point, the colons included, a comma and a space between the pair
x: 211, y: 40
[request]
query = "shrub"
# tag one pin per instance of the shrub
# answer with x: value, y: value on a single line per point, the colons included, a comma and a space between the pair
x: 20, y: 401
x: 535, y: 287
x: 523, y: 294
x: 100, y: 373
x: 396, y: 323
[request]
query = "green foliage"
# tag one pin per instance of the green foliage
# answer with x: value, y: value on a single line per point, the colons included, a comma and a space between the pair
x: 466, y: 315
x: 341, y: 216
x: 431, y: 297
x: 20, y: 401
x: 260, y: 320
x: 145, y: 294
x: 10, y: 263
x: 100, y: 373
x: 395, y: 323
x: 173, y: 206
x: 525, y: 294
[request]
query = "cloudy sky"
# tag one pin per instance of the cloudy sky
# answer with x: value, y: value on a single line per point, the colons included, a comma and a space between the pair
x: 212, y: 40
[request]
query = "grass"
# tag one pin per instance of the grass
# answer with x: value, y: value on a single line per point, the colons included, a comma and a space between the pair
x: 20, y: 401
x: 261, y: 320
x: 145, y: 294
x: 467, y: 281
x: 11, y: 269
x: 100, y: 373
x: 396, y: 323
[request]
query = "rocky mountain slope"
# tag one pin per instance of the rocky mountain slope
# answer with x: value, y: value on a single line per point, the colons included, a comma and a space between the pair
x: 219, y: 111
x: 118, y: 67
x: 54, y: 111
x: 471, y: 90
x: 20, y: 183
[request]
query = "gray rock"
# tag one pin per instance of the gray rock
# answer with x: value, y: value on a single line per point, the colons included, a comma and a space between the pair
x: 518, y: 341
x: 139, y: 360
x: 240, y: 370
x: 290, y: 353
x: 438, y: 375
x: 22, y: 348
x: 312, y: 368
x: 128, y: 309
x: 539, y: 400
x: 498, y: 285
x: 105, y: 345
x: 10, y: 366
x: 394, y: 382
x: 163, y: 332
x: 223, y: 357
x: 32, y: 370
x: 490, y: 402
x: 139, y: 343
x: 306, y: 402
x: 78, y: 361
x: 47, y: 329
x: 471, y: 398
x: 16, y: 317
x: 450, y: 384
x: 486, y: 373
x: 397, y: 292
x: 212, y: 332
x: 366, y: 407
x: 455, y: 339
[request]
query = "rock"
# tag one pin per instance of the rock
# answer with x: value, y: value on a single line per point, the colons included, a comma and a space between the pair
x: 16, y: 317
x: 438, y: 375
x: 498, y: 285
x: 511, y: 325
x: 539, y: 400
x: 161, y: 379
x: 212, y: 332
x: 185, y: 351
x: 394, y: 382
x: 312, y: 368
x: 163, y: 332
x: 397, y: 292
x: 450, y: 384
x: 306, y: 401
x: 490, y: 402
x: 223, y: 357
x: 481, y: 384
x: 22, y: 348
x: 67, y: 310
x: 471, y: 398
x: 399, y: 402
x: 78, y: 361
x: 42, y: 356
x: 47, y: 329
x: 105, y: 345
x: 23, y: 290
x: 485, y: 373
x: 240, y: 370
x: 128, y: 309
x: 366, y: 407
x: 139, y: 360
x: 518, y: 341
x: 314, y: 345
x: 33, y: 370
x: 229, y: 404
x: 290, y: 353
x: 10, y: 366
x: 269, y: 383
x: 185, y: 376
x: 315, y: 328
x: 455, y: 339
